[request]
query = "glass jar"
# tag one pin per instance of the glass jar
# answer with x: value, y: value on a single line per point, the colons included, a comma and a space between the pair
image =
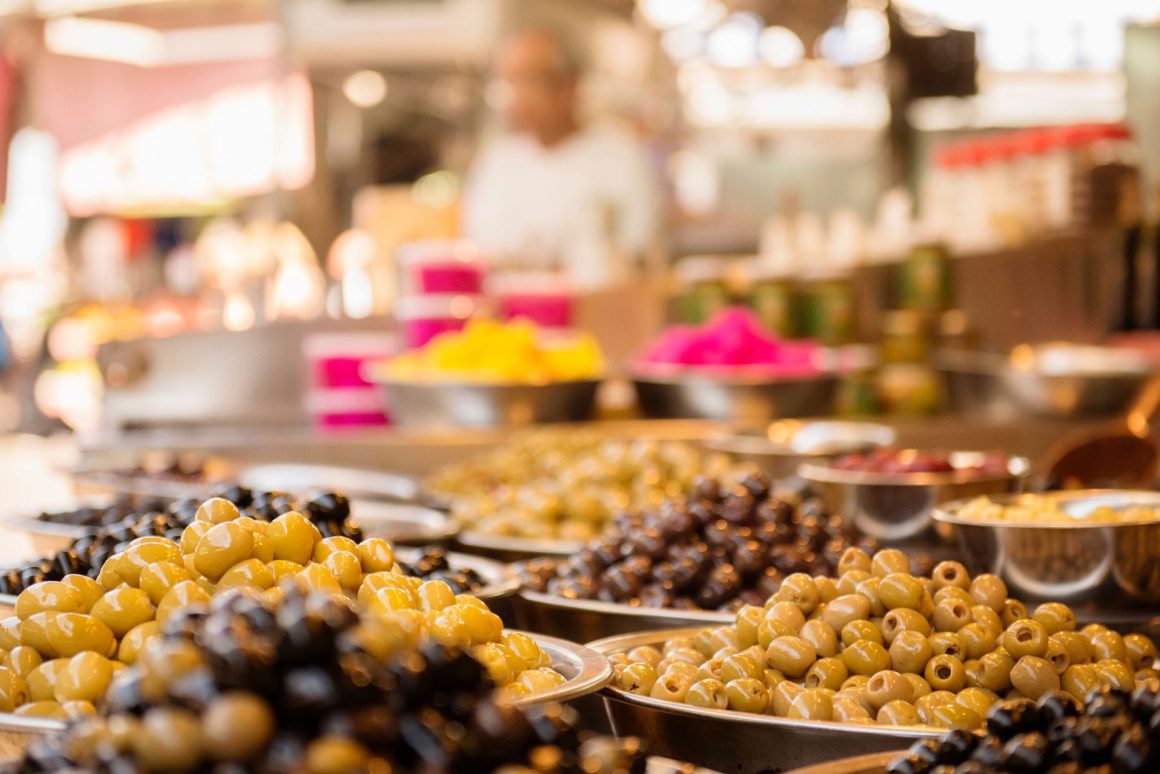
x: 703, y: 282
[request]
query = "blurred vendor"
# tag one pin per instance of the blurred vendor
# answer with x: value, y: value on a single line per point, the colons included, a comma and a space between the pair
x: 553, y: 193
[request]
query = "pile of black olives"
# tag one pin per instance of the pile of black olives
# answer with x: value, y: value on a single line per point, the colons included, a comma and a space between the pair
x: 123, y: 507
x: 718, y: 549
x: 305, y: 686
x: 330, y: 512
x: 1113, y: 732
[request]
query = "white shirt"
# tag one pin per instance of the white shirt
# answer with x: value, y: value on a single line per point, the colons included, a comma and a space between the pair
x: 546, y: 207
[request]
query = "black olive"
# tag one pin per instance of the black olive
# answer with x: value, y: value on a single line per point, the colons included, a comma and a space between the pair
x: 1024, y: 753
x: 1009, y: 718
x: 956, y: 746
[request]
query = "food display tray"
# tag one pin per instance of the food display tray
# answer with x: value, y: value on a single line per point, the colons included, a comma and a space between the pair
x: 741, y: 742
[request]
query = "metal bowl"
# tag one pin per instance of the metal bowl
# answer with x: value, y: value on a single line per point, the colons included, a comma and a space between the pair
x: 476, y: 404
x: 733, y: 741
x: 875, y: 763
x: 506, y: 548
x: 784, y: 445
x: 18, y: 732
x: 700, y: 396
x: 586, y: 670
x: 1101, y: 565
x: 896, y: 506
x: 584, y: 620
x: 1055, y: 380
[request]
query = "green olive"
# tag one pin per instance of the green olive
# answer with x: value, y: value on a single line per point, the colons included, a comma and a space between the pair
x: 1033, y: 676
x: 897, y: 713
x: 375, y: 555
x: 1013, y: 610
x: 22, y: 660
x: 955, y: 715
x: 951, y: 615
x: 812, y: 704
x: 237, y: 726
x: 846, y: 710
x: 866, y: 657
x: 887, y: 686
x: 792, y: 656
x: 853, y: 559
x: 738, y: 666
x: 889, y: 560
x: 122, y: 609
x: 1141, y: 651
x: 1025, y: 637
x: 900, y: 590
x: 84, y: 678
x: 1108, y: 645
x: 860, y: 630
x: 48, y: 596
x: 1079, y: 650
x: 903, y: 619
x: 708, y: 693
x: 787, y: 617
x: 158, y: 578
x: 949, y: 644
x: 637, y: 678
x: 89, y: 589
x: 925, y: 705
x: 918, y: 685
x: 221, y: 548
x: 1117, y: 674
x: 170, y: 739
x: 995, y: 671
x: 13, y: 690
x: 977, y: 699
x: 945, y: 673
x: 144, y: 551
x: 1056, y: 655
x: 977, y: 640
x: 827, y: 588
x: 1055, y: 617
x: 910, y: 651
x: 989, y: 590
x: 294, y: 537
x: 747, y: 620
x: 826, y: 673
x: 747, y: 695
x: 844, y: 609
x: 868, y: 589
x: 950, y: 574
x: 801, y: 590
x: 782, y: 697
x: 671, y: 686
x: 988, y: 619
x: 822, y: 636
x: 848, y: 583
x: 1080, y: 680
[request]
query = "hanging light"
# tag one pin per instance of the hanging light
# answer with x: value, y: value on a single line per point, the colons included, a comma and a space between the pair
x: 781, y: 47
x: 667, y: 14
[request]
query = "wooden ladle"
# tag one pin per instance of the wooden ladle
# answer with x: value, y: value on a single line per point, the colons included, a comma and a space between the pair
x: 1122, y: 454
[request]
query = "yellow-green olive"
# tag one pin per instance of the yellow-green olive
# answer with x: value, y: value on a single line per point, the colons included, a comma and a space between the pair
x: 1055, y: 617
x: 865, y: 657
x: 860, y: 630
x: 812, y: 704
x: 903, y: 619
x: 792, y: 656
x: 887, y: 686
x: 995, y: 671
x: 822, y: 636
x: 1033, y: 676
x: 826, y: 673
x: 801, y: 590
x: 945, y: 673
x: 844, y: 609
x: 949, y: 644
x: 950, y: 615
x: 1080, y: 680
x: 950, y: 574
x: 910, y: 651
x: 989, y: 590
x: 889, y: 560
x: 708, y: 693
x: 1108, y: 645
x: 900, y: 590
x: 1025, y: 637
x: 853, y: 559
x: 747, y: 695
x: 1013, y: 610
x: 1141, y: 651
x: 898, y: 713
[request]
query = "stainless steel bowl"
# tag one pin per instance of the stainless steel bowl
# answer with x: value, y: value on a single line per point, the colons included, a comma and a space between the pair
x: 431, y: 403
x: 732, y: 741
x: 896, y: 506
x: 784, y: 445
x: 506, y: 548
x: 585, y: 670
x: 584, y: 620
x: 875, y: 763
x: 1098, y: 565
x: 701, y: 396
x: 1056, y: 380
x: 18, y: 732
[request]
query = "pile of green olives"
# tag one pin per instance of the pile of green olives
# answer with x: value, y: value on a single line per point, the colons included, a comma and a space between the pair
x: 879, y: 644
x: 68, y: 638
x: 553, y: 484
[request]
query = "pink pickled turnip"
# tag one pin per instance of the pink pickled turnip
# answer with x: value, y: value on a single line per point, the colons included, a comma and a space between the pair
x: 733, y: 338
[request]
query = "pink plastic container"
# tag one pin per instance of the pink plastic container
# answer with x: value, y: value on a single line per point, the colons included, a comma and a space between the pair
x: 441, y: 267
x: 422, y: 318
x: 546, y: 299
x: 339, y: 396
